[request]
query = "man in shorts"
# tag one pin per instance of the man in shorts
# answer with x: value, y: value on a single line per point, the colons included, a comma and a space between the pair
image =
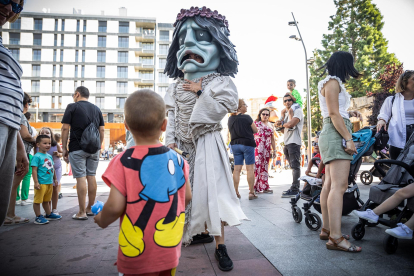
x: 76, y: 118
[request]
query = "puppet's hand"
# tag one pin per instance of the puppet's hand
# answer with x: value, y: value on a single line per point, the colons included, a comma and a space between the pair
x: 192, y: 86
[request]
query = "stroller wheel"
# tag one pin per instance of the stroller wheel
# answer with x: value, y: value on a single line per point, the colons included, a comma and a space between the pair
x: 390, y: 244
x: 297, y: 214
x: 366, y: 177
x: 358, y: 231
x: 313, y: 221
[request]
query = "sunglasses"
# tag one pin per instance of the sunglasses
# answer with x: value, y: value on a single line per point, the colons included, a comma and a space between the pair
x: 289, y: 100
x: 407, y: 71
x: 265, y: 114
x: 315, y: 144
x: 16, y: 8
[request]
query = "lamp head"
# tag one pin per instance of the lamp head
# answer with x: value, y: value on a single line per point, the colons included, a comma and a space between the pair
x: 292, y: 23
x: 295, y: 37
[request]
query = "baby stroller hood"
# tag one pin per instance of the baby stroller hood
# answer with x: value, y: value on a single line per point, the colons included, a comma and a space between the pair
x: 364, y: 141
x: 395, y: 172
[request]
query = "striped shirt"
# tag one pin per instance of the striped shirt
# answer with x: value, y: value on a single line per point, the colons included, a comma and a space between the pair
x: 11, y: 92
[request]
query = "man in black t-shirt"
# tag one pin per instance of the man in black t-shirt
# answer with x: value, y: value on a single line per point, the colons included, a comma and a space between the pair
x: 76, y: 118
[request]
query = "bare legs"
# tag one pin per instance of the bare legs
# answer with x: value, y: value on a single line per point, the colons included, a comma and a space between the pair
x: 46, y: 207
x: 236, y: 177
x: 250, y: 177
x: 12, y: 203
x: 81, y: 189
x: 92, y: 186
x: 220, y: 239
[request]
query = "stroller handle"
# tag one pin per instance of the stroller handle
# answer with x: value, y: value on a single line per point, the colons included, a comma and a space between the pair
x: 378, y: 134
x: 409, y: 169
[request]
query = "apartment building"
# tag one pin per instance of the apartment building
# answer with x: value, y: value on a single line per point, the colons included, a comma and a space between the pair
x: 111, y: 55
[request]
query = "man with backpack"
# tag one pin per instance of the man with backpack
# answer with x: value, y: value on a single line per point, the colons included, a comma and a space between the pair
x: 86, y: 125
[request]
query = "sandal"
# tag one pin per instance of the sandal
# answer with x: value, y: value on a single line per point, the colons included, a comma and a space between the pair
x: 238, y: 195
x: 327, y: 232
x: 335, y: 246
x: 268, y: 191
x: 252, y: 196
x: 12, y: 221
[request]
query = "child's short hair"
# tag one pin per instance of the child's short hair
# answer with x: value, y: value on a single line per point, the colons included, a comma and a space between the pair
x: 40, y: 137
x: 289, y: 94
x: 292, y: 81
x: 144, y: 112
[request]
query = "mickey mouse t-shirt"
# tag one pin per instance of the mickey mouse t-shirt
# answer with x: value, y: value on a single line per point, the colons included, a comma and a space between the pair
x: 152, y: 178
x: 44, y: 164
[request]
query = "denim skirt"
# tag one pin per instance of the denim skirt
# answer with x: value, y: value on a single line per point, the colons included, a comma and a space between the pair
x: 330, y: 142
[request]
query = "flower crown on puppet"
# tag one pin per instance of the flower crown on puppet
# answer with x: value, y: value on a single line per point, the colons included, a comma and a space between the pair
x: 203, y: 12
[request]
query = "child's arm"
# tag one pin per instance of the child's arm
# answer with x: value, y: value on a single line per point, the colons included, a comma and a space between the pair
x: 55, y: 179
x: 113, y: 208
x: 308, y: 170
x: 188, y: 194
x: 35, y: 180
x: 320, y: 169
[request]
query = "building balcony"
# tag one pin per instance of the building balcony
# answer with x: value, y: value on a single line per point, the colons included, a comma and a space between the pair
x: 144, y: 82
x: 145, y: 37
x: 147, y: 67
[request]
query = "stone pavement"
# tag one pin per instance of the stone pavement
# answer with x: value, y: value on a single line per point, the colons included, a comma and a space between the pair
x: 270, y: 244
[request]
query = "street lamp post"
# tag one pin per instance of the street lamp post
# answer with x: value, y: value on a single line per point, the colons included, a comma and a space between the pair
x: 308, y: 101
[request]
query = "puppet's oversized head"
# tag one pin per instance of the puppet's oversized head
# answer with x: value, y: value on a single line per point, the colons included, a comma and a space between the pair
x: 201, y: 45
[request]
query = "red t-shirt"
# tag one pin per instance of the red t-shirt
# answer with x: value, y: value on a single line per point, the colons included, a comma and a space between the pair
x: 318, y: 155
x: 278, y: 155
x: 152, y: 178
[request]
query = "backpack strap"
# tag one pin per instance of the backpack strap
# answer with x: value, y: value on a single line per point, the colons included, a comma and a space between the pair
x: 392, y: 103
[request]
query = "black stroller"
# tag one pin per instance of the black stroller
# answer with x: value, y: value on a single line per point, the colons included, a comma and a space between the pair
x: 367, y: 177
x: 400, y: 174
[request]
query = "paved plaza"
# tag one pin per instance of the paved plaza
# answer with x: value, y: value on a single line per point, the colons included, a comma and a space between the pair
x: 271, y: 243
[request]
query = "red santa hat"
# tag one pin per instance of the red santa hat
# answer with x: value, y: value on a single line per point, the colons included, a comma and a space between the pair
x: 271, y: 99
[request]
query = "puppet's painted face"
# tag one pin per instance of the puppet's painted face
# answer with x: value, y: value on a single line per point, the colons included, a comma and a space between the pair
x: 198, y: 52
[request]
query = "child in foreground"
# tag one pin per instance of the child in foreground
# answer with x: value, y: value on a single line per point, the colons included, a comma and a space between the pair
x: 44, y: 178
x: 149, y: 191
x: 291, y: 84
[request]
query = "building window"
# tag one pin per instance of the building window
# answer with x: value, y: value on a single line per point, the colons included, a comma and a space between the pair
x: 83, y: 72
x: 77, y: 41
x: 163, y: 49
x: 123, y: 57
x: 63, y: 25
x: 146, y: 60
x: 148, y: 31
x: 146, y: 75
x: 124, y: 27
x: 15, y: 53
x: 122, y: 87
x: 162, y: 63
x: 162, y: 78
x: 37, y: 39
x: 147, y: 46
x: 37, y: 56
x: 60, y: 86
x: 122, y: 72
x: 164, y: 35
x: 35, y: 101
x: 56, y: 25
x: 101, y: 56
x: 100, y: 71
x: 76, y: 55
x: 35, y: 70
x: 82, y: 83
x: 38, y: 24
x: 102, y: 27
x: 59, y: 103
x: 77, y: 25
x: 53, y: 102
x: 54, y: 70
x: 36, y: 86
x: 54, y: 54
x: 84, y: 41
x: 75, y: 85
x: 123, y: 41
x: 61, y: 55
x: 76, y: 71
x: 83, y: 55
x: 61, y: 71
x: 84, y: 26
x: 101, y: 41
x: 145, y: 87
x: 120, y: 102
x: 100, y: 87
x: 62, y: 40
x: 162, y: 89
x: 100, y: 102
x: 55, y: 40
x: 53, y: 86
x: 14, y: 38
x: 16, y: 24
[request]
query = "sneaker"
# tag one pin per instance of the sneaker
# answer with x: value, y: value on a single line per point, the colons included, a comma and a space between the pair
x: 41, y: 220
x: 53, y: 216
x: 25, y: 202
x: 368, y: 215
x: 289, y: 193
x: 29, y: 200
x: 224, y: 261
x: 18, y: 202
x: 400, y: 232
x: 60, y: 195
x: 202, y: 238
x: 55, y: 211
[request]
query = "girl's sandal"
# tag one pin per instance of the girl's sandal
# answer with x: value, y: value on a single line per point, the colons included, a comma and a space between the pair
x: 335, y: 246
x: 268, y: 191
x: 252, y: 196
x: 327, y: 232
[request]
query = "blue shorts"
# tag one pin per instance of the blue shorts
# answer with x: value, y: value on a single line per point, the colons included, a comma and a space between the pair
x: 242, y: 152
x: 278, y: 163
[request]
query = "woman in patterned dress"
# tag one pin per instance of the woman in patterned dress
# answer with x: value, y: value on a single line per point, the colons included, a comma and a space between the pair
x: 264, y: 137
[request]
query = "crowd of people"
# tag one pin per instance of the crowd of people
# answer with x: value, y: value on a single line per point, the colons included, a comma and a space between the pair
x: 163, y: 199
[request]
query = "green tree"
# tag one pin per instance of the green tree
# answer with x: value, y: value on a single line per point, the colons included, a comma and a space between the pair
x: 356, y: 28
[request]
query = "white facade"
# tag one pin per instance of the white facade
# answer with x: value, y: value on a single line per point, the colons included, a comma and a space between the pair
x: 96, y: 58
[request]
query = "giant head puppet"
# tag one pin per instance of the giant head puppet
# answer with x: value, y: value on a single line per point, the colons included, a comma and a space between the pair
x: 201, y: 45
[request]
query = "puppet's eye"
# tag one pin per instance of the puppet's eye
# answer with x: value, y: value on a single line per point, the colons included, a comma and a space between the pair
x: 181, y: 39
x: 203, y: 35
x: 171, y: 167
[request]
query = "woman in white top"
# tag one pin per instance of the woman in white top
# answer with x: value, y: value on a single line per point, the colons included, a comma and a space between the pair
x: 334, y: 101
x: 399, y: 113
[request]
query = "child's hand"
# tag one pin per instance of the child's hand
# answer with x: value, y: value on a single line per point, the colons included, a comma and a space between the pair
x: 97, y: 220
x: 37, y: 186
x: 56, y: 182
